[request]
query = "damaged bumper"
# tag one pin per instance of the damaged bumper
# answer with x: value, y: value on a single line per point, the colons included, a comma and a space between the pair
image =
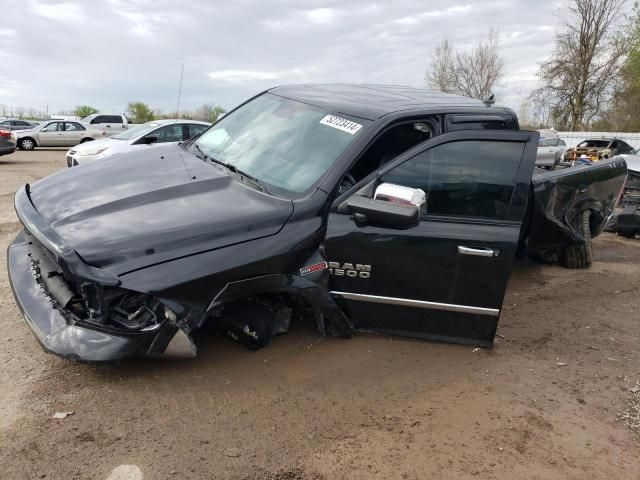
x: 59, y: 331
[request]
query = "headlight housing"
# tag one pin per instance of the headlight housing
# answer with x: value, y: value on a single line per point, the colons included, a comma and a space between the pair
x: 92, y: 151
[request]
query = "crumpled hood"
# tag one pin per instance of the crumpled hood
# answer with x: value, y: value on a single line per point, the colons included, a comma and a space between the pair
x: 142, y: 208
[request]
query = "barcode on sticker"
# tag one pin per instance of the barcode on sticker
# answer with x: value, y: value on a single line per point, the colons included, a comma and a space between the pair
x: 341, y: 124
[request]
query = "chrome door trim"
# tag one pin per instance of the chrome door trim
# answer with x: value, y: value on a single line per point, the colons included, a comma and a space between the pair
x: 408, y: 302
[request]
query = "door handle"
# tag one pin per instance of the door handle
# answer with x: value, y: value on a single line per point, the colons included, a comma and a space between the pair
x: 478, y: 252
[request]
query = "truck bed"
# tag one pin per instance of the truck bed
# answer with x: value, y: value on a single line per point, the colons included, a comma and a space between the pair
x: 559, y: 197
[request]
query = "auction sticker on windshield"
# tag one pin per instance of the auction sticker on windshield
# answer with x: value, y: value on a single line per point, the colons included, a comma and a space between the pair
x: 341, y: 124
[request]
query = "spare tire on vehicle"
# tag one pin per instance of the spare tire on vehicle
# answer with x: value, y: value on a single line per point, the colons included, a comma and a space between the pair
x: 580, y: 256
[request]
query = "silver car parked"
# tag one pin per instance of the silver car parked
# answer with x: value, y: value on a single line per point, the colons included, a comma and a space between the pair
x: 13, y: 124
x: 550, y: 151
x: 56, y: 133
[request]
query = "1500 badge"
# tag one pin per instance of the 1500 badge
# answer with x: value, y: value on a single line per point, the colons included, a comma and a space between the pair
x: 352, y: 270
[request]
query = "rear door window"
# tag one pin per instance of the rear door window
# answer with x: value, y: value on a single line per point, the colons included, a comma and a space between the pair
x: 73, y: 127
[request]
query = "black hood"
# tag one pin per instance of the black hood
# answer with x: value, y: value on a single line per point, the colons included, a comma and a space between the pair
x: 133, y: 210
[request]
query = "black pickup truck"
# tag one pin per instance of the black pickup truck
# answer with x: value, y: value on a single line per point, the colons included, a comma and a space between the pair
x: 360, y: 208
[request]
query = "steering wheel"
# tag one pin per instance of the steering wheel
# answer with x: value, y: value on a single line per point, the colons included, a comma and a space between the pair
x: 347, y: 182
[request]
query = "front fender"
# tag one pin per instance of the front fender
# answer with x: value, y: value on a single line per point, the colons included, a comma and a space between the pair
x: 317, y: 296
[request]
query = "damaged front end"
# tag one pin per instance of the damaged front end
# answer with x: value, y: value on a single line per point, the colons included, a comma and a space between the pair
x: 78, y: 311
x: 84, y: 320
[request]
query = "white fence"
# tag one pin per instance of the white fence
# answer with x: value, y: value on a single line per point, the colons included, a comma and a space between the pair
x: 574, y: 138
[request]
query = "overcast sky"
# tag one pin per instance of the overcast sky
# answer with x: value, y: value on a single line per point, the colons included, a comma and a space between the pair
x: 108, y: 52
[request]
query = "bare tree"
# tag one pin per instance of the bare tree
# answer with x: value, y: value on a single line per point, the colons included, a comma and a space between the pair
x: 579, y: 78
x: 440, y: 73
x: 473, y: 74
x: 477, y: 72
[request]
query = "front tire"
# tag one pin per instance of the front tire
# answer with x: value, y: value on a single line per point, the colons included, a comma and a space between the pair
x: 86, y: 140
x: 27, y: 144
x: 580, y: 256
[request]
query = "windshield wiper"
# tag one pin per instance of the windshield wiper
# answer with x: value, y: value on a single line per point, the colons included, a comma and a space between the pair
x: 233, y: 168
x: 251, y: 178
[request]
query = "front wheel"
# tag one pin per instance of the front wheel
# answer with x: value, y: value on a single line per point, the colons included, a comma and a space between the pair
x: 27, y: 144
x: 86, y: 140
x: 580, y: 256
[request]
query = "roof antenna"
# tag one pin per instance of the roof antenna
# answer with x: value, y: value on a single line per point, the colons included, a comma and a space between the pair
x: 489, y: 101
x: 179, y: 92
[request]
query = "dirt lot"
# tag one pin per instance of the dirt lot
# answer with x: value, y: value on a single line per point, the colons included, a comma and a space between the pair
x: 556, y: 398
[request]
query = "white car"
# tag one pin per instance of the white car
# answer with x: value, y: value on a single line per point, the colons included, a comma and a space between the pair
x: 55, y: 133
x: 137, y: 137
x: 550, y: 152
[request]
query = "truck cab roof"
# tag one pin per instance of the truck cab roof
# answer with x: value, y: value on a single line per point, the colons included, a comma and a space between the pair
x: 375, y: 101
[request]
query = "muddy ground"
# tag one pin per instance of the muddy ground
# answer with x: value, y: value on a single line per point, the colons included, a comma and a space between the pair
x: 556, y: 398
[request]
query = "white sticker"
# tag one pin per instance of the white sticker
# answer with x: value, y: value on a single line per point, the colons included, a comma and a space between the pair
x: 341, y: 124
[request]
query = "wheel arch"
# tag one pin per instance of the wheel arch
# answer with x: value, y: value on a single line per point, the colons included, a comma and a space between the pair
x: 324, y: 307
x: 33, y: 139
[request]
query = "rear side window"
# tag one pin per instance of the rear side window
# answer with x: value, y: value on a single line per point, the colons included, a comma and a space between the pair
x: 469, y: 178
x: 73, y: 127
x: 114, y: 118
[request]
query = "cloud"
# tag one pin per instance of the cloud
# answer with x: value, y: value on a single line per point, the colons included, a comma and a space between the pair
x: 420, y: 17
x: 321, y: 15
x: 107, y: 53
x: 244, y: 75
x: 61, y: 11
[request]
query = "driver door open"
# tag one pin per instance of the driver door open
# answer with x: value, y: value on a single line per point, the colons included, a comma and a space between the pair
x: 444, y: 276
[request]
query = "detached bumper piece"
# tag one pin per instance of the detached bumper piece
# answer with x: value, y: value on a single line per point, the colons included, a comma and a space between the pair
x: 627, y: 221
x: 40, y: 295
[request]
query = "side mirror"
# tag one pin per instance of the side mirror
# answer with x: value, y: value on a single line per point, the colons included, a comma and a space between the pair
x: 383, y: 213
x: 149, y: 139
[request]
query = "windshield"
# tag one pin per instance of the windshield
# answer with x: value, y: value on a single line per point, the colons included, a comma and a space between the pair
x: 135, y: 130
x: 281, y: 142
x: 594, y: 144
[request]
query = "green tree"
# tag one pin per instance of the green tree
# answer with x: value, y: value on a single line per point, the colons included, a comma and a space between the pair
x: 580, y: 77
x: 623, y: 115
x: 208, y: 113
x: 140, y: 112
x: 84, y: 110
x: 216, y: 112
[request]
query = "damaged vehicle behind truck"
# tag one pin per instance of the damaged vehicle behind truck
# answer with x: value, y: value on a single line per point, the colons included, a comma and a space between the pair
x: 360, y: 208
